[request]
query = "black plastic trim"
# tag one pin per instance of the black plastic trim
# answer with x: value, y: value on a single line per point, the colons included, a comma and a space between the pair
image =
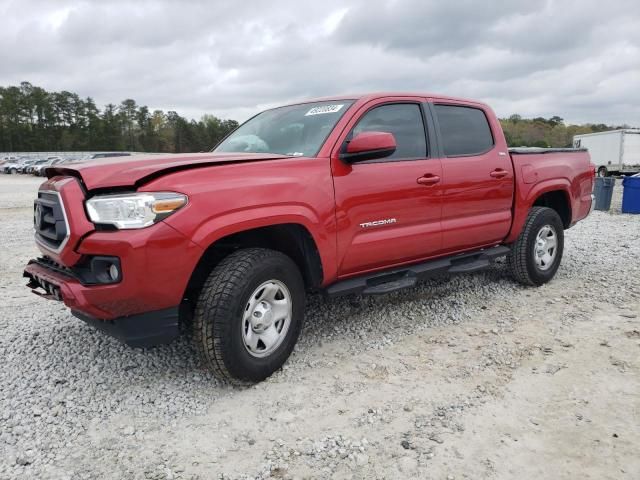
x: 143, y: 330
x: 395, y: 279
x: 538, y: 150
x: 50, y: 221
x: 379, y: 153
x: 88, y: 272
x: 432, y: 130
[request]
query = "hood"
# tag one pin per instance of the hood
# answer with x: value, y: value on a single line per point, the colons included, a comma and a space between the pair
x: 135, y: 170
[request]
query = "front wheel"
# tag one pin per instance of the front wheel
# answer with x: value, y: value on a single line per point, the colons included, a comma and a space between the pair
x: 535, y: 256
x: 249, y: 315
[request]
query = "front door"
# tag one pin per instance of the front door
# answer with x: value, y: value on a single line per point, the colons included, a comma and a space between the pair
x: 388, y: 210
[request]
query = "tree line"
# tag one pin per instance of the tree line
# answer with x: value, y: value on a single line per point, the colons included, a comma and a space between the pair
x: 33, y: 119
x: 546, y: 132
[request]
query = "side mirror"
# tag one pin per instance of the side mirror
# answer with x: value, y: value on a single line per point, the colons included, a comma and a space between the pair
x: 369, y: 146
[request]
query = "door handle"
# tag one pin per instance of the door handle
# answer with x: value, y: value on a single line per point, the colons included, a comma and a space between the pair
x: 499, y: 173
x: 428, y: 179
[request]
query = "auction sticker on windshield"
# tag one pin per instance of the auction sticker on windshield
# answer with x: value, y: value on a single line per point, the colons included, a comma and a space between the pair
x: 324, y: 109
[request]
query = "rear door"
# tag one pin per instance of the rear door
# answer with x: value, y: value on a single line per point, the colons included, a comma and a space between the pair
x: 385, y: 214
x: 478, y: 182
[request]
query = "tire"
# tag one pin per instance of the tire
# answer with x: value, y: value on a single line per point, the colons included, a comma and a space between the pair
x: 603, y: 172
x: 229, y: 303
x: 526, y: 263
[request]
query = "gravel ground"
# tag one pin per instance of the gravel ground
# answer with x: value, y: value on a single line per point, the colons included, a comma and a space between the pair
x: 469, y: 376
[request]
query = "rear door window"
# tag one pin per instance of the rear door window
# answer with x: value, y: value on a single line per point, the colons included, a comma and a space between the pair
x: 464, y: 130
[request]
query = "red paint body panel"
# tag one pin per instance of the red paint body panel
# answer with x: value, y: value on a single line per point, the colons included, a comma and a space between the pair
x: 367, y: 141
x: 386, y: 190
x: 477, y: 206
x: 228, y: 199
x: 157, y: 263
x: 426, y: 208
x: 569, y: 172
x: 368, y: 192
x: 152, y: 279
x: 127, y: 171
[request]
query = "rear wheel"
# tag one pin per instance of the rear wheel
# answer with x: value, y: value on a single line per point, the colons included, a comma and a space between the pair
x: 249, y: 315
x: 536, y: 254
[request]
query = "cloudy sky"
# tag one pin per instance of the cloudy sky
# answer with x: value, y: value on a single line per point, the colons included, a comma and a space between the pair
x: 576, y: 59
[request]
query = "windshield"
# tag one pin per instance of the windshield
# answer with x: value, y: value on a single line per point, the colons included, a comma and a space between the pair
x: 296, y: 130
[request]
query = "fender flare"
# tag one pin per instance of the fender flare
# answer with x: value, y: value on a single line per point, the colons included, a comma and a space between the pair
x: 523, y: 204
x: 229, y: 223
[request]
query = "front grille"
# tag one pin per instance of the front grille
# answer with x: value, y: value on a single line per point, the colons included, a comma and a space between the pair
x: 49, y: 220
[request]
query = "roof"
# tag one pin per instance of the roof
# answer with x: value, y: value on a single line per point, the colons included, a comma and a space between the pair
x: 376, y: 95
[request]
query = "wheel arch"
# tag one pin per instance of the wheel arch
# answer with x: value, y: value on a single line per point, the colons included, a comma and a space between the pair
x: 292, y: 239
x: 553, y: 193
x: 557, y: 200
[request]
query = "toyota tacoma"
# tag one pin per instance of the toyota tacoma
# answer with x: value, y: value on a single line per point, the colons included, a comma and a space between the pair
x: 346, y: 195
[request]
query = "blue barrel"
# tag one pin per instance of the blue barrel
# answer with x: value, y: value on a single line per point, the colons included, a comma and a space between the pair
x: 631, y: 194
x: 603, y: 191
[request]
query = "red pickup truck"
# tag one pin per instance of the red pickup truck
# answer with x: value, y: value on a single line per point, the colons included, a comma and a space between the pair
x: 355, y: 194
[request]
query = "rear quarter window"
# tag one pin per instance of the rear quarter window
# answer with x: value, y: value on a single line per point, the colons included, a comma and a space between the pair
x: 464, y: 130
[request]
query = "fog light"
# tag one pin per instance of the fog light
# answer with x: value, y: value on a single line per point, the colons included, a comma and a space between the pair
x: 102, y: 270
x: 113, y: 272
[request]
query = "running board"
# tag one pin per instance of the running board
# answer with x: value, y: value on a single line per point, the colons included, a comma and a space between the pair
x: 386, y: 282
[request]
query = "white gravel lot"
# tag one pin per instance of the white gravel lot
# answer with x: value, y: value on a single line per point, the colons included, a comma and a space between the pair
x: 469, y: 376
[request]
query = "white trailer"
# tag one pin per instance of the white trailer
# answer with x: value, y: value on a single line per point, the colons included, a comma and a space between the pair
x: 613, y: 152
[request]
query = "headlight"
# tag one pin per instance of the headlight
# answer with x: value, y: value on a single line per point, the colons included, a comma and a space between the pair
x: 135, y: 210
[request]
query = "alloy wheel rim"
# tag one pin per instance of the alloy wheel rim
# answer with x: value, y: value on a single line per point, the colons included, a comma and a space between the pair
x: 545, y: 247
x: 266, y: 319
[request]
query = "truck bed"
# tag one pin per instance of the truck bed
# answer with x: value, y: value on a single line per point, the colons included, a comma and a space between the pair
x: 547, y: 169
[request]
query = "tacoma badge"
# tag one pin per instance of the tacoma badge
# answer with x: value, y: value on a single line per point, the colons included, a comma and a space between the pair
x: 377, y: 223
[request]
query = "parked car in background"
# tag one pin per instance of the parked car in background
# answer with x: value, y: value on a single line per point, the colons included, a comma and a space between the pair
x: 8, y: 159
x: 109, y: 155
x: 38, y: 162
x: 26, y: 164
x: 616, y: 152
x: 32, y: 163
x: 29, y: 168
x: 15, y: 166
x: 346, y: 195
x: 38, y: 170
